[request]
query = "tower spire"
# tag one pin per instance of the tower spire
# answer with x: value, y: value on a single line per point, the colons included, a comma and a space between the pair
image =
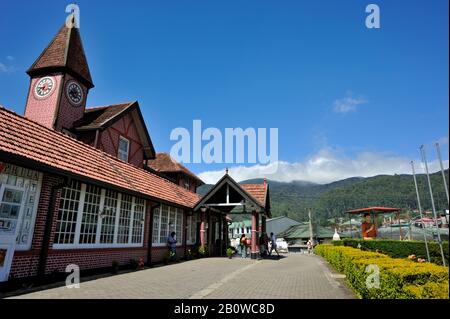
x: 64, y: 53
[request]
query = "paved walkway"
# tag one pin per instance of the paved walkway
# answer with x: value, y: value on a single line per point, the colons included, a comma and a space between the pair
x: 295, y: 276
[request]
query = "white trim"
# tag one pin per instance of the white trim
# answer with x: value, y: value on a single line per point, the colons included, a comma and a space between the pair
x: 88, y: 246
x: 27, y: 246
x: 8, y: 241
x: 76, y: 237
x: 97, y: 244
x: 128, y: 148
x: 116, y: 224
x: 130, y: 230
x: 101, y: 207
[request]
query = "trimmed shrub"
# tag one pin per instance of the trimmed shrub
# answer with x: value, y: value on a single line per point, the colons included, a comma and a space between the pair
x: 399, y: 278
x: 399, y: 249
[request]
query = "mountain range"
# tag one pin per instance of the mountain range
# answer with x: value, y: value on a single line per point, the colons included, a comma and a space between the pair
x: 328, y: 201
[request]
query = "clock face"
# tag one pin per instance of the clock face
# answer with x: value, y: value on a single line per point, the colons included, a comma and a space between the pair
x: 44, y: 87
x: 74, y: 93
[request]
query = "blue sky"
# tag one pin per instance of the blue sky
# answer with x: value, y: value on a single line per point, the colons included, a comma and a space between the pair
x: 347, y: 100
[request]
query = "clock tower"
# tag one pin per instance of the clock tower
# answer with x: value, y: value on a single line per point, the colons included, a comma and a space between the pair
x: 59, y: 82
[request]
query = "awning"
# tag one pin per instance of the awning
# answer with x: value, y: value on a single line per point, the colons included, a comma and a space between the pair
x: 373, y: 210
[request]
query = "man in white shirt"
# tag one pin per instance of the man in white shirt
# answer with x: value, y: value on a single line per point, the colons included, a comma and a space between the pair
x: 273, y: 246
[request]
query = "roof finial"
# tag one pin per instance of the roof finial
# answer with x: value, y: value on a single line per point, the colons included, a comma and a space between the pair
x: 265, y: 181
x: 226, y: 171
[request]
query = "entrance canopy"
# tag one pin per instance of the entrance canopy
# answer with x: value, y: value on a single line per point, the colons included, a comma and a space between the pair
x: 227, y: 196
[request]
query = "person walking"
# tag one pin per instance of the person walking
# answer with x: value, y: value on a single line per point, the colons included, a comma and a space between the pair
x: 243, y: 246
x: 309, y: 244
x: 273, y: 246
x: 172, y: 245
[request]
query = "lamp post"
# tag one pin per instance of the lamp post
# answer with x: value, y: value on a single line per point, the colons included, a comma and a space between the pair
x: 420, y: 210
x: 424, y: 160
x: 203, y: 209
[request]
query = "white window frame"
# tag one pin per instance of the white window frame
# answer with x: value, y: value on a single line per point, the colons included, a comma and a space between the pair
x: 158, y: 216
x: 191, y: 231
x: 97, y: 244
x: 119, y: 151
x: 170, y: 211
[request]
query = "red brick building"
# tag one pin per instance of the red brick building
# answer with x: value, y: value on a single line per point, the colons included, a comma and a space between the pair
x: 85, y: 186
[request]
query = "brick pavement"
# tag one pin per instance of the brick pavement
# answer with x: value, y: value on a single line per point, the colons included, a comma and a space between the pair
x: 295, y: 276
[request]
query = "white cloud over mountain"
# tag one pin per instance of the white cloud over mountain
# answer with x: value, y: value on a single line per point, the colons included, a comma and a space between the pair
x: 328, y: 165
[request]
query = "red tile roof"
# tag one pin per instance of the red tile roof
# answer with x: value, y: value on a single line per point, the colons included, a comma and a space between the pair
x: 28, y: 140
x: 164, y: 163
x: 97, y: 117
x: 64, y: 51
x: 257, y: 191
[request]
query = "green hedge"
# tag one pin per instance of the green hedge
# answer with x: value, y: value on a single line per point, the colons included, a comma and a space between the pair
x: 399, y: 249
x: 399, y: 278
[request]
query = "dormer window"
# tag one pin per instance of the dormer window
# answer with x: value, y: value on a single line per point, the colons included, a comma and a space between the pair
x: 124, y: 148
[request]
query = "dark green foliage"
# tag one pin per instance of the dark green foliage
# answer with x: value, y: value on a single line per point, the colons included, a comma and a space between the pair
x: 399, y: 249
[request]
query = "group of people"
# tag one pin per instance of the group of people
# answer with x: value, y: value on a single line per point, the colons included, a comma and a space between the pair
x: 243, y: 244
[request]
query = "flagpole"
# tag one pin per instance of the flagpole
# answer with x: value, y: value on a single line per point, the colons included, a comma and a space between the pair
x: 424, y: 160
x: 311, y: 236
x: 420, y: 211
x: 438, y: 149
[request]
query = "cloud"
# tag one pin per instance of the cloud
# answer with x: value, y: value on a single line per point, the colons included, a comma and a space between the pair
x: 347, y: 104
x: 3, y: 68
x: 10, y: 58
x: 6, y: 68
x: 325, y: 166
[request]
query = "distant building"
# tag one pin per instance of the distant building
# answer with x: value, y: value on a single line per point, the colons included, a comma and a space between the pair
x: 236, y: 229
x: 298, y: 235
x: 169, y: 168
x: 278, y: 225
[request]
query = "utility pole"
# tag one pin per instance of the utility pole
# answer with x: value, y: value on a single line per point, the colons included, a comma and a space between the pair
x: 311, y: 236
x: 424, y: 160
x: 420, y: 211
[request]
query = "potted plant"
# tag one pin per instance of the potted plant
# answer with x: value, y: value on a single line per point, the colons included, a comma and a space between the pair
x: 134, y: 264
x: 202, y: 251
x: 188, y: 255
x: 230, y: 252
x: 141, y: 262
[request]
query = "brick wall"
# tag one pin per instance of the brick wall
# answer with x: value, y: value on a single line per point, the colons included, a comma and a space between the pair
x: 43, y: 110
x: 54, y: 110
x: 109, y: 140
x: 25, y: 263
x: 68, y: 113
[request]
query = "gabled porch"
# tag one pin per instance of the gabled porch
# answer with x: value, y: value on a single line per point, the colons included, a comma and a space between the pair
x: 228, y: 197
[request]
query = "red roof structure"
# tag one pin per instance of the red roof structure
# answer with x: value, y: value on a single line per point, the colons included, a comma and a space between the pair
x: 374, y: 210
x: 30, y: 143
x: 164, y: 163
x: 257, y: 191
x: 65, y: 52
x: 97, y: 117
